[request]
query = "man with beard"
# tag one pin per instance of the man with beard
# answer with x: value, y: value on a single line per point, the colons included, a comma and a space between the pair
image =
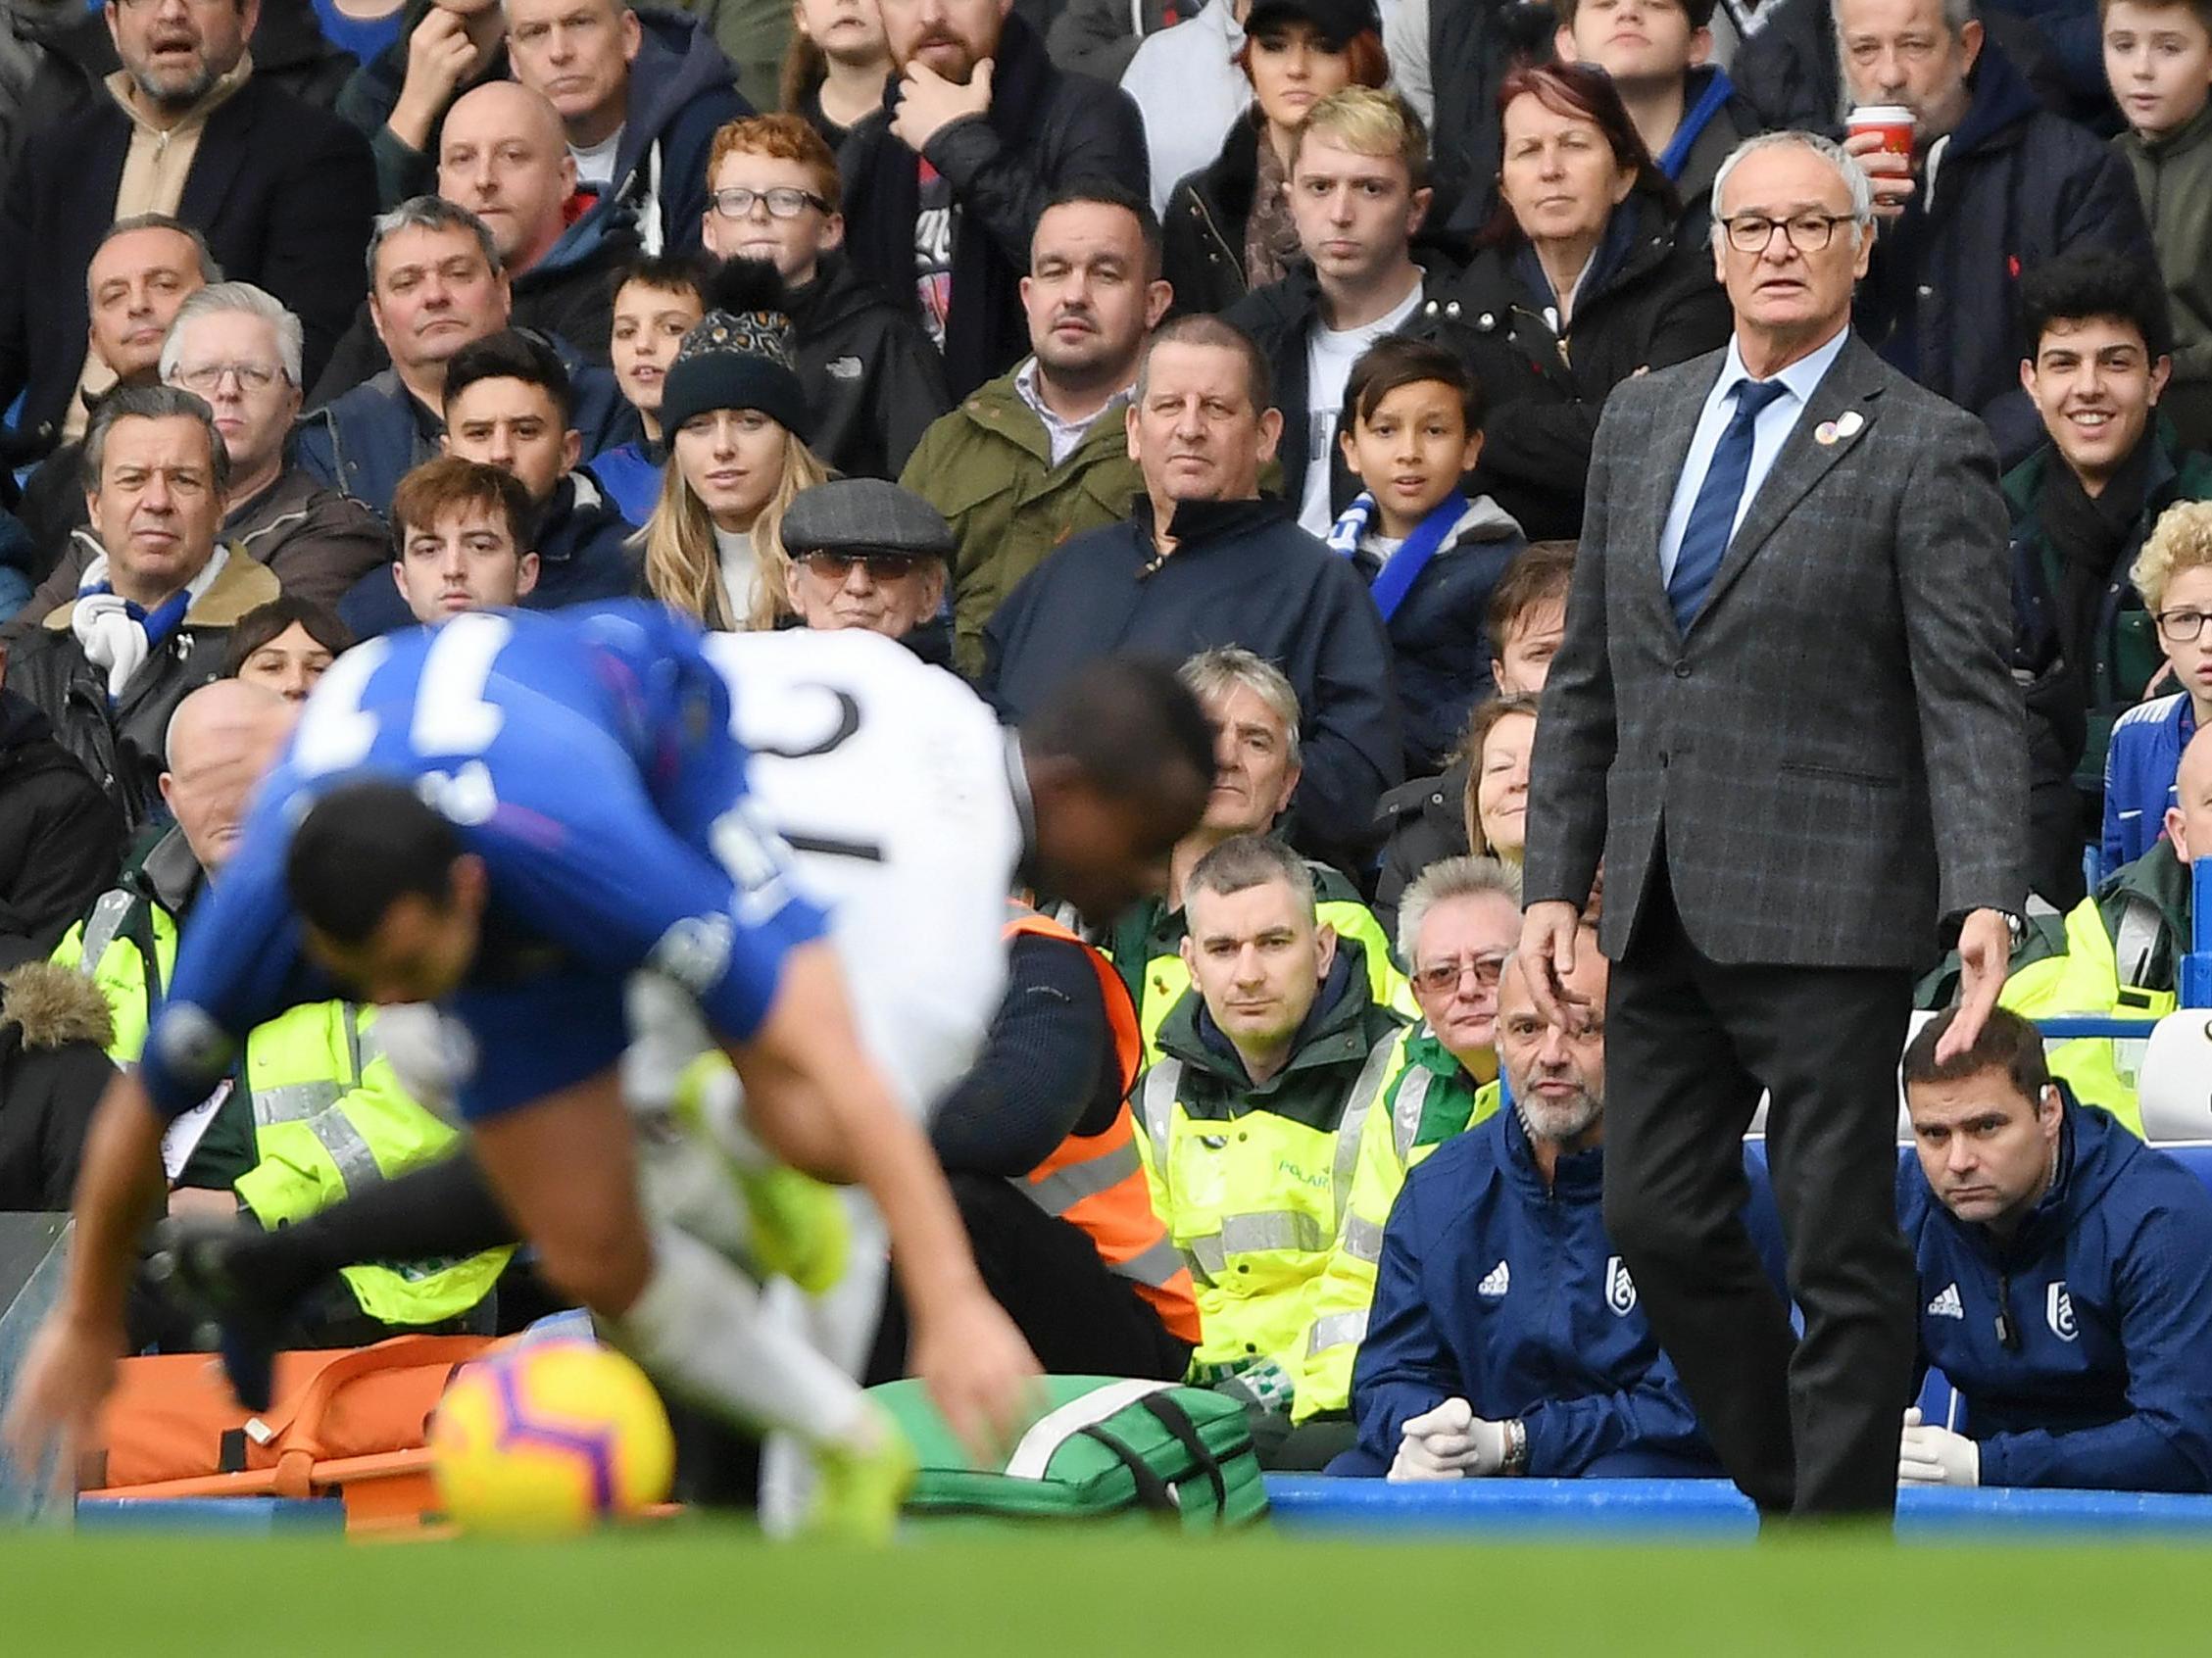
x: 943, y: 191
x: 1505, y: 1336
x: 282, y: 192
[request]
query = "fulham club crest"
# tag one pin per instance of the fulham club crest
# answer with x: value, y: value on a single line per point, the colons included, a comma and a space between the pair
x: 2058, y: 1309
x: 1620, y: 1289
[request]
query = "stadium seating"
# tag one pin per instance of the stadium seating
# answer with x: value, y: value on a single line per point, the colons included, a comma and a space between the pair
x: 2175, y: 1086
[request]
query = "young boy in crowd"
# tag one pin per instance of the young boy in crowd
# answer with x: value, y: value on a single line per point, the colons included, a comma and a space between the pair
x: 657, y: 302
x: 873, y: 380
x: 1411, y: 428
x: 2159, y: 59
x: 2174, y: 574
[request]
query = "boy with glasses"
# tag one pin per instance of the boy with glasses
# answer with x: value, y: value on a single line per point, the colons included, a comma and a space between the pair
x: 873, y: 380
x: 2174, y: 575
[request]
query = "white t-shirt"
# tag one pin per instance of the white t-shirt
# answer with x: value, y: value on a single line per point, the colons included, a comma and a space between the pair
x: 890, y: 780
x: 595, y: 162
x: 1329, y: 357
x: 740, y: 571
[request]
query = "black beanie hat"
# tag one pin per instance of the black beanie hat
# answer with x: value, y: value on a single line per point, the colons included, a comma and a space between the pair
x: 739, y: 355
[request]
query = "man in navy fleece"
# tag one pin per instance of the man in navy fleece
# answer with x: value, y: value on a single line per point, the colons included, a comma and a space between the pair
x: 1505, y: 1336
x: 2065, y: 1279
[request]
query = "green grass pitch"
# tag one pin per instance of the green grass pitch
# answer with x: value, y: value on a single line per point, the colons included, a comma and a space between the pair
x: 700, y: 1588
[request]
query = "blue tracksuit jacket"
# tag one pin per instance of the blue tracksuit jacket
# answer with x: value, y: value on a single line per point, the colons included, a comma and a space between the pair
x: 2109, y: 1290
x: 1498, y: 1289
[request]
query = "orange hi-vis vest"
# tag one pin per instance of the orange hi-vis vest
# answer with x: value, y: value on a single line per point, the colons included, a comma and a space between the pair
x: 1097, y: 1182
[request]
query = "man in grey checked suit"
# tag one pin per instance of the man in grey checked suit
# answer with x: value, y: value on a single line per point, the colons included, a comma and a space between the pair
x: 1784, y: 715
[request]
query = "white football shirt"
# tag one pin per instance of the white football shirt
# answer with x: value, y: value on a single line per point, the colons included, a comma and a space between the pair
x: 891, y: 782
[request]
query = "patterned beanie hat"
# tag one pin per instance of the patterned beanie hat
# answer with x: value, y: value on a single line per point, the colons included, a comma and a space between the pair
x: 739, y: 355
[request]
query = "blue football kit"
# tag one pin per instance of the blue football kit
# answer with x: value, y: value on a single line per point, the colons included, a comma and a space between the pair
x: 587, y: 759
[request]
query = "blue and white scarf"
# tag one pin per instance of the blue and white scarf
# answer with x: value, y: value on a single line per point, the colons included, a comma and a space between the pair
x: 119, y: 635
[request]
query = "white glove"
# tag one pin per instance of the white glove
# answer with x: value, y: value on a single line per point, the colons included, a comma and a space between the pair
x: 1449, y: 1443
x: 430, y: 1055
x: 1935, y: 1456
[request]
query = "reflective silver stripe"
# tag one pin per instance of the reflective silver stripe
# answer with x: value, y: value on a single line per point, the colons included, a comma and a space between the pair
x: 1405, y: 1115
x: 1158, y: 1098
x: 367, y: 1046
x: 1363, y: 1239
x: 1063, y: 1189
x: 353, y: 1044
x: 1364, y: 1092
x: 1271, y: 1229
x: 1206, y: 1258
x: 1337, y: 1330
x: 357, y: 1164
x: 101, y: 930
x: 2133, y: 942
x: 294, y: 1102
x: 1155, y: 1266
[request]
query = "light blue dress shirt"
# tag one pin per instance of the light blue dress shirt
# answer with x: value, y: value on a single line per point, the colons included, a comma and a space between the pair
x: 1767, y: 436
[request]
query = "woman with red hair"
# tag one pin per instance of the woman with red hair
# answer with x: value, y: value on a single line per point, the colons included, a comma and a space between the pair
x: 1228, y: 226
x: 1576, y: 284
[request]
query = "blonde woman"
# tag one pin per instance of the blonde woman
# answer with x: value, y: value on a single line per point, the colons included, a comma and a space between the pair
x: 1500, y: 738
x: 736, y: 419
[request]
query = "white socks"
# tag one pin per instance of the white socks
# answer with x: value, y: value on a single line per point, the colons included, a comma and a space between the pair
x: 699, y: 1326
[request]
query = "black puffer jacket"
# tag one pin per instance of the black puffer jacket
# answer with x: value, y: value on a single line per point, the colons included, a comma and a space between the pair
x: 2016, y: 186
x: 1649, y: 305
x: 60, y: 838
x: 54, y: 1030
x: 873, y: 380
x: 1043, y: 129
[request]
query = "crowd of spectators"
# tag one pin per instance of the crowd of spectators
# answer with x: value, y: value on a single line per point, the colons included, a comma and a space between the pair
x: 1270, y: 337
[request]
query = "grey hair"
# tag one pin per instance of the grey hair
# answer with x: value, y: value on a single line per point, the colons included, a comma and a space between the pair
x: 151, y: 403
x: 427, y: 213
x: 237, y: 299
x: 1845, y: 164
x: 1245, y: 861
x: 1464, y: 876
x: 1227, y: 667
x: 210, y: 270
x: 1957, y: 13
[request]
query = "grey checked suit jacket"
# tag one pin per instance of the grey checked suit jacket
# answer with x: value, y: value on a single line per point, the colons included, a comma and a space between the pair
x: 1837, y: 750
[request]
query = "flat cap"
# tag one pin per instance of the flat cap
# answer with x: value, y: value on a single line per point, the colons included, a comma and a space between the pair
x: 864, y: 515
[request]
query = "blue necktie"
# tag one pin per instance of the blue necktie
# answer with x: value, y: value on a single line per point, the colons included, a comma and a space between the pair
x: 1712, y: 519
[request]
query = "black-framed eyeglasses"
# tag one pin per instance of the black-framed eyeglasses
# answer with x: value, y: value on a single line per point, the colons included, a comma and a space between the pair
x: 1808, y: 232
x: 1441, y: 976
x: 836, y: 564
x: 782, y: 202
x: 2181, y: 627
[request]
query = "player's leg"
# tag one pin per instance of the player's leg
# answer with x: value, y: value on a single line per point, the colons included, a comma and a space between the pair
x: 565, y: 1170
x: 249, y: 1280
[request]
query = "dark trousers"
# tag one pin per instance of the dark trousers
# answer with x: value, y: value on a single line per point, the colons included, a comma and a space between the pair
x: 1804, y: 1426
x: 1078, y: 1318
